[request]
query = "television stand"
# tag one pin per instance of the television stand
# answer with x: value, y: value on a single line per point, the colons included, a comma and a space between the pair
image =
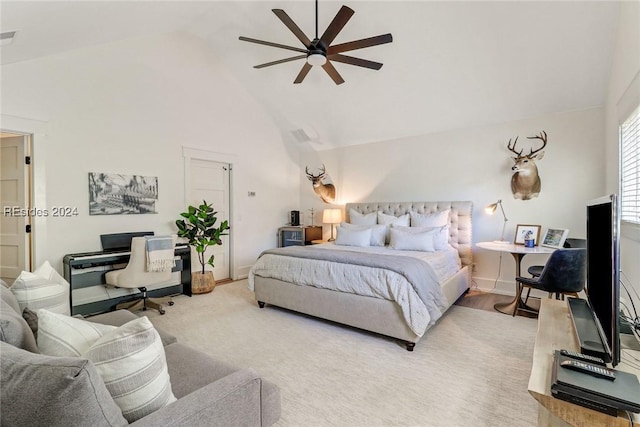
x: 556, y: 331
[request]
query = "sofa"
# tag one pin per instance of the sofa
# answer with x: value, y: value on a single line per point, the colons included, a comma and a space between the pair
x: 61, y: 391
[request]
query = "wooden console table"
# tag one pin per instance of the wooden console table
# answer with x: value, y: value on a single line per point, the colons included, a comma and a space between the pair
x: 555, y: 331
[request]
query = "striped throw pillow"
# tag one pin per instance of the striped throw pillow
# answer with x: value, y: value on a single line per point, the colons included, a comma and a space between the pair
x: 44, y: 288
x: 130, y: 358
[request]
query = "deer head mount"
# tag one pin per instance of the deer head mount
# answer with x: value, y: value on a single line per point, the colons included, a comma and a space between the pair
x: 525, y: 182
x: 327, y: 192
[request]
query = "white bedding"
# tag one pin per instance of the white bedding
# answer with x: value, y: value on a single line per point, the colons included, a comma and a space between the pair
x: 368, y: 281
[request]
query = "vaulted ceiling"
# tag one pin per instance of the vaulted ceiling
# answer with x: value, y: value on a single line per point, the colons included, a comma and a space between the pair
x: 451, y: 64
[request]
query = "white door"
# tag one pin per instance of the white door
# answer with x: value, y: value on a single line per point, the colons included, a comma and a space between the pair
x: 210, y: 182
x: 14, y: 201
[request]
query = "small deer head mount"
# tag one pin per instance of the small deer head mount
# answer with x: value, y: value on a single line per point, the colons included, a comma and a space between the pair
x: 327, y: 192
x: 525, y: 181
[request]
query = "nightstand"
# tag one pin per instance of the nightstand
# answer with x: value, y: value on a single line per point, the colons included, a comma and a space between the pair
x: 298, y: 235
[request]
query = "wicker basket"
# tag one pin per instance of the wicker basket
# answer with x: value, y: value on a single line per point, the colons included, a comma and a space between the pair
x: 202, y: 283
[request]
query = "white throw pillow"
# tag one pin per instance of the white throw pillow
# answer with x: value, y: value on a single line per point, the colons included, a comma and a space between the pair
x: 390, y: 219
x: 44, y: 288
x: 440, y: 238
x: 132, y: 364
x: 408, y: 241
x: 435, y: 219
x: 66, y: 336
x: 350, y: 237
x: 357, y: 218
x: 130, y: 359
x: 378, y: 232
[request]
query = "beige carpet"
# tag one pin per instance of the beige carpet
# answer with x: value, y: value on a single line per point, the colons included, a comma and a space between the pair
x: 471, y: 368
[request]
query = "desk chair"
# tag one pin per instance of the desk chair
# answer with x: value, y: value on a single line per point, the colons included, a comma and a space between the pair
x: 564, y: 273
x: 135, y: 275
x: 535, y: 270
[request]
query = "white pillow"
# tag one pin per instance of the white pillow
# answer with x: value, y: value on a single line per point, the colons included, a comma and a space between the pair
x: 130, y: 358
x: 66, y: 336
x: 440, y: 238
x: 378, y: 232
x: 351, y: 237
x: 44, y: 288
x: 132, y: 364
x: 357, y: 218
x: 390, y: 219
x: 435, y: 219
x: 408, y: 241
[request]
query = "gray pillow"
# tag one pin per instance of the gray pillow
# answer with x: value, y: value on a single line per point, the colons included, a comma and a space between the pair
x: 7, y: 296
x: 14, y: 329
x: 53, y: 391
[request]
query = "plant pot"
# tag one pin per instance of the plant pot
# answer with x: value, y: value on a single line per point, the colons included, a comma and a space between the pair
x: 202, y: 283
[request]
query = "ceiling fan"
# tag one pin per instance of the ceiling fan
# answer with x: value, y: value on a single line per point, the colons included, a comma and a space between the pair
x: 319, y: 51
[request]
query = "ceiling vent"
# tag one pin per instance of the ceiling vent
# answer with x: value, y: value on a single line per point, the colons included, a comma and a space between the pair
x: 7, y: 37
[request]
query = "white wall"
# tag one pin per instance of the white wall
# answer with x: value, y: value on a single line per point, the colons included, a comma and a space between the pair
x: 130, y: 107
x: 474, y: 164
x: 623, y: 97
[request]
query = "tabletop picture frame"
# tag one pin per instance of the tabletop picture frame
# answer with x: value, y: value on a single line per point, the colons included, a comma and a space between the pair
x: 522, y: 230
x: 555, y: 237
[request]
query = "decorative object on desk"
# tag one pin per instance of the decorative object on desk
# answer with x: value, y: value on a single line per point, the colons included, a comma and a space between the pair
x: 491, y: 209
x: 332, y: 216
x: 555, y: 237
x: 525, y: 181
x: 326, y: 191
x: 313, y: 221
x: 524, y: 231
x: 201, y: 233
x: 113, y: 194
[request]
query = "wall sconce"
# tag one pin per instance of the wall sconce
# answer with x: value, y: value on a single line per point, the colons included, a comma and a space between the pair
x: 332, y: 216
x: 490, y: 210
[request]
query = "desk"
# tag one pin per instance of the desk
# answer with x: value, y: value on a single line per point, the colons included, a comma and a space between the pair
x: 518, y: 252
x: 555, y: 332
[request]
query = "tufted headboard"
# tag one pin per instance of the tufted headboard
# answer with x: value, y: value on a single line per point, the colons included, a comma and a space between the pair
x: 459, y: 219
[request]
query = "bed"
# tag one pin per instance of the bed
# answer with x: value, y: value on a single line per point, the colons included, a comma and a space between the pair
x: 294, y: 279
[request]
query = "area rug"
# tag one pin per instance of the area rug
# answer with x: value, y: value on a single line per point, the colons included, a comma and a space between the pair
x: 471, y: 368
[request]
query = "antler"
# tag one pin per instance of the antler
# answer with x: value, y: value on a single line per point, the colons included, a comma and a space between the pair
x: 314, y: 177
x: 513, y: 149
x: 543, y: 138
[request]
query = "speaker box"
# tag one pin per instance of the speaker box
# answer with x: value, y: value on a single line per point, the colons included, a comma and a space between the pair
x: 295, y: 217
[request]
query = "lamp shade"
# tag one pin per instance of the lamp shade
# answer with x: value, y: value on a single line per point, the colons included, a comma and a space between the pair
x: 332, y: 216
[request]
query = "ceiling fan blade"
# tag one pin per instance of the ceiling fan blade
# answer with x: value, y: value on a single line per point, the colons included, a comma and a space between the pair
x: 281, y: 61
x: 281, y: 46
x: 303, y: 73
x: 355, y: 61
x: 333, y: 73
x: 286, y: 20
x: 360, y: 44
x: 339, y: 21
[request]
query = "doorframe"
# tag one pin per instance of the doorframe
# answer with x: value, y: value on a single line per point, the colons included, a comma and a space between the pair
x: 37, y: 130
x: 189, y: 154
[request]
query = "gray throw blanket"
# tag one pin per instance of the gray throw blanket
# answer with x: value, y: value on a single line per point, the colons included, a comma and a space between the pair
x: 417, y: 272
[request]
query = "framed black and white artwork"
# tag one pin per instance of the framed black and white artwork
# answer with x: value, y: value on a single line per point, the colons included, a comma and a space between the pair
x: 118, y: 194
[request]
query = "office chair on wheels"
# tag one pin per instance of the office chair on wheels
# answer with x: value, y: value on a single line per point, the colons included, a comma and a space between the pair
x: 135, y: 275
x: 564, y: 273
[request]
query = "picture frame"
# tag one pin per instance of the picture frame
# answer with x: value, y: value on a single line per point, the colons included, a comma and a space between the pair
x: 555, y: 237
x: 522, y: 230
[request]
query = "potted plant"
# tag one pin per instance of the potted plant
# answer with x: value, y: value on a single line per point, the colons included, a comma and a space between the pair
x: 199, y: 228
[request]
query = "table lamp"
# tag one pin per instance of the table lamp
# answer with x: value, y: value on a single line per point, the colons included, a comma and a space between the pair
x: 491, y: 209
x: 332, y: 216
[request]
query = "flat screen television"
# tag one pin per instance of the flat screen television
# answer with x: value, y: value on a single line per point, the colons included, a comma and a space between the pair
x: 603, y: 270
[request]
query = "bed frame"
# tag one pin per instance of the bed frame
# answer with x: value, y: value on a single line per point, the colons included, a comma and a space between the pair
x: 375, y: 314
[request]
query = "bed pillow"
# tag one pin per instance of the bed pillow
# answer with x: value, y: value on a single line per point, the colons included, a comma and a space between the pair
x: 409, y: 241
x: 129, y: 358
x: 44, y: 288
x: 357, y: 218
x: 440, y: 238
x: 378, y: 232
x: 434, y: 219
x: 391, y: 219
x: 351, y: 237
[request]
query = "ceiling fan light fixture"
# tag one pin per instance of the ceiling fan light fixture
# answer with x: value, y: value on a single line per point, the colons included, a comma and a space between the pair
x: 316, y: 58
